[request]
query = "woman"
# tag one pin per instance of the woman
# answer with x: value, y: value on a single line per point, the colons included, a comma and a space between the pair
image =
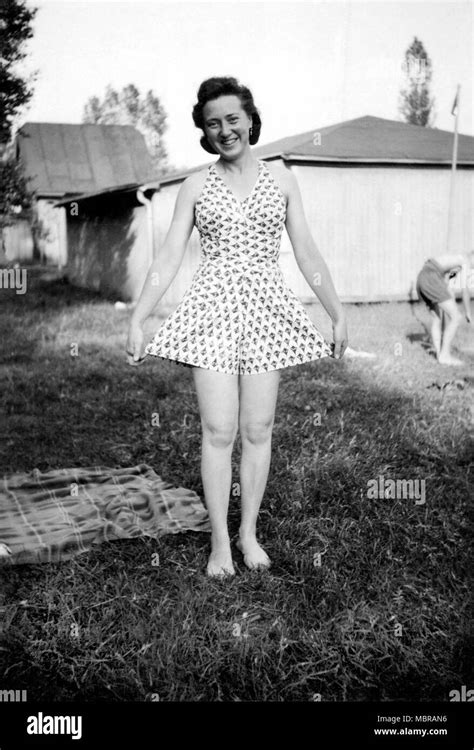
x: 239, y: 324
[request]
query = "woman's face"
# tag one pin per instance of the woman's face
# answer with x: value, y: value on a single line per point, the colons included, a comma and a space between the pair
x: 227, y: 125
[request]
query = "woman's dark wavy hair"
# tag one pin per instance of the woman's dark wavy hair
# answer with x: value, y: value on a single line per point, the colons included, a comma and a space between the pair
x: 211, y: 89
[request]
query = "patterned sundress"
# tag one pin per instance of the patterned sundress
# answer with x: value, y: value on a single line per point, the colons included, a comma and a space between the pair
x: 238, y: 315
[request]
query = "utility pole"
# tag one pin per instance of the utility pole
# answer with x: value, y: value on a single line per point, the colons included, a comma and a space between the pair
x: 455, y: 112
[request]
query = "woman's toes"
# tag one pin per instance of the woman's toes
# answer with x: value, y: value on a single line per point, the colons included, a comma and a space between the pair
x: 220, y: 564
x: 254, y: 555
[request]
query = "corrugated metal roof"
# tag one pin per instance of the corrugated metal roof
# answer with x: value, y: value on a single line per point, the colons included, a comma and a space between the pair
x: 63, y: 158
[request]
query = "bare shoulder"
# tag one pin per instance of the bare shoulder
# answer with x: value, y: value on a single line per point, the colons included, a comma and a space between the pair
x: 193, y: 184
x: 283, y: 176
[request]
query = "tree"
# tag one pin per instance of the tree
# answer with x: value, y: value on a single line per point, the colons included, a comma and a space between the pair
x: 15, y: 91
x: 128, y: 107
x: 15, y: 194
x: 416, y: 105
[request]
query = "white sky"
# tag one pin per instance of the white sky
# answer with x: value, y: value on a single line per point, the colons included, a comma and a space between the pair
x: 308, y: 64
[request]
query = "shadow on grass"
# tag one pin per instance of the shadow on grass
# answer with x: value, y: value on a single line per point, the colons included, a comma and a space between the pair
x: 366, y: 598
x: 44, y: 301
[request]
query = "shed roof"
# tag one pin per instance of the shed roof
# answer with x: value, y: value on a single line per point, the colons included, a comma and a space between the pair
x: 67, y: 159
x: 373, y: 139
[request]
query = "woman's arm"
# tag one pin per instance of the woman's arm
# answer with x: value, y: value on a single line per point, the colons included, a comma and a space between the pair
x: 312, y: 264
x: 170, y: 255
x: 465, y: 290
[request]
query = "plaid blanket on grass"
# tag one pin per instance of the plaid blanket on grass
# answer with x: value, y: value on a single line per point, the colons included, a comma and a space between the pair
x: 55, y: 515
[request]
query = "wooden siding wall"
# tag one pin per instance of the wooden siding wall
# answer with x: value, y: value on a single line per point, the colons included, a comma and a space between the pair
x: 107, y: 248
x: 375, y: 226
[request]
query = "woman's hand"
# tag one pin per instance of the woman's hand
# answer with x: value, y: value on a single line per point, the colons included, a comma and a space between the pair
x: 135, y: 344
x: 339, y: 332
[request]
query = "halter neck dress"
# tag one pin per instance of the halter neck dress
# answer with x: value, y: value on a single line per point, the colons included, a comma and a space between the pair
x: 238, y: 315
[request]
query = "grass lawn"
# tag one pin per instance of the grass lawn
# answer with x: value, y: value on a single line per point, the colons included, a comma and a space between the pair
x: 367, y: 598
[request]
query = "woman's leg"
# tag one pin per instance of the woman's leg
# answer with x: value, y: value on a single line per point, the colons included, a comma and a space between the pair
x: 450, y: 308
x: 258, y: 397
x: 436, y: 328
x: 218, y: 399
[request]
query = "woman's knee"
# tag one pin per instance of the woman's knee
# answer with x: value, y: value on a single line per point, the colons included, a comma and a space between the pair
x: 256, y: 431
x: 219, y: 434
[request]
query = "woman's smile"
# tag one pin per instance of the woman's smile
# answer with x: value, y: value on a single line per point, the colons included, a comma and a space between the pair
x: 229, y: 141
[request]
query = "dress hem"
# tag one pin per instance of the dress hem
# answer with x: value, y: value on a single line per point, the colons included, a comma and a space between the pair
x: 259, y: 372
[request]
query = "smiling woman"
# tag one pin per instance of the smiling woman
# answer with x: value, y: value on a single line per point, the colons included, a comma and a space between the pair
x: 239, y: 324
x: 226, y: 121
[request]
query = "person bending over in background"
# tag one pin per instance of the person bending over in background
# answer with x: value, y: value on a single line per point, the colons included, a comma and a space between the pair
x: 432, y: 287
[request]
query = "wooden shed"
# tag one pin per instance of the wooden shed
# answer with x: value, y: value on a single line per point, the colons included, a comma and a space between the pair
x: 375, y: 193
x: 61, y: 160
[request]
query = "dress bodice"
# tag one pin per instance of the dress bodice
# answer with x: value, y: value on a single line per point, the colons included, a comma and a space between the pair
x: 248, y: 230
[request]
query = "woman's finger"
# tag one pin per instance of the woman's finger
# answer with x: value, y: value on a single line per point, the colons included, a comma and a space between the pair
x: 133, y: 353
x: 339, y: 349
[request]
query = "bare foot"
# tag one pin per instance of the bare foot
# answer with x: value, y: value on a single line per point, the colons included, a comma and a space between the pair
x: 220, y: 563
x: 254, y: 555
x: 450, y: 360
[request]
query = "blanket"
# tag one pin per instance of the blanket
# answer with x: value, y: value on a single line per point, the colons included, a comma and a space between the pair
x: 55, y: 515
